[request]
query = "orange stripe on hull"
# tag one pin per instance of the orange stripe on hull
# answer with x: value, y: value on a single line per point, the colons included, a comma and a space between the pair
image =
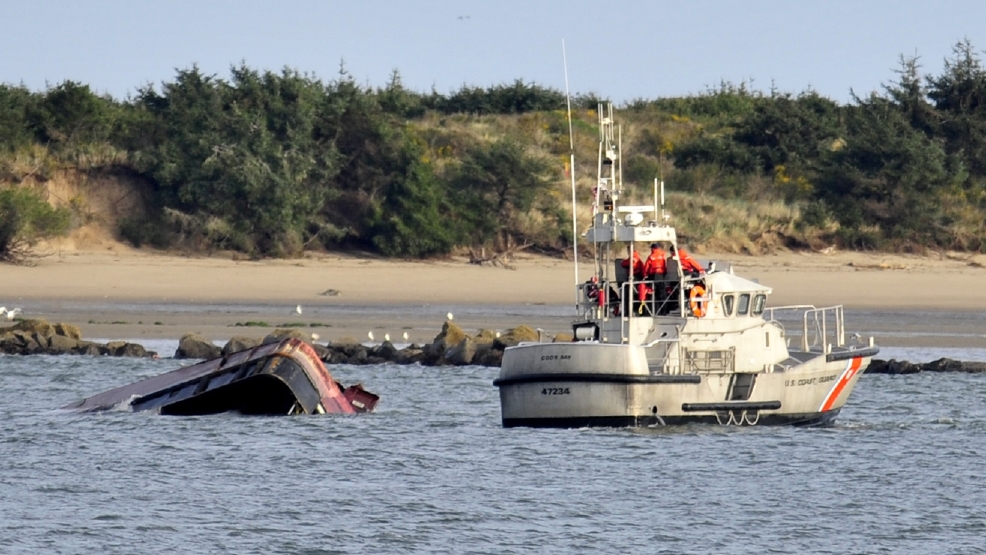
x: 844, y: 380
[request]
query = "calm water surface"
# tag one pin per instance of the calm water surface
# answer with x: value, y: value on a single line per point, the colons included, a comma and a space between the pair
x: 432, y: 471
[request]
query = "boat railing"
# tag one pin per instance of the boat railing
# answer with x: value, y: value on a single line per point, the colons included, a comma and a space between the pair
x: 607, y: 299
x: 821, y: 328
x: 720, y: 361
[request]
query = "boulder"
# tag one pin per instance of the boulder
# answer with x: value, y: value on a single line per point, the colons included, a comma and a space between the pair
x: 487, y: 355
x: 193, y: 345
x: 485, y: 337
x: 281, y: 334
x: 35, y: 325
x: 20, y: 342
x: 515, y: 336
x: 337, y: 357
x: 462, y: 353
x: 450, y: 336
x: 892, y: 366
x: 62, y: 344
x: 385, y: 350
x: 409, y: 356
x: 322, y: 351
x: 974, y: 367
x: 358, y: 357
x: 347, y: 340
x: 42, y: 340
x: 353, y: 350
x: 239, y: 343
x: 68, y: 330
x: 115, y: 348
x: 133, y: 350
x: 949, y: 365
x: 91, y: 349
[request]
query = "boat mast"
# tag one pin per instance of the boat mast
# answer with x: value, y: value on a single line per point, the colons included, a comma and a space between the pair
x: 609, y: 182
x: 571, y: 169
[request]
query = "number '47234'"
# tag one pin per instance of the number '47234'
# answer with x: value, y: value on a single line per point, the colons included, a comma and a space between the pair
x: 555, y: 391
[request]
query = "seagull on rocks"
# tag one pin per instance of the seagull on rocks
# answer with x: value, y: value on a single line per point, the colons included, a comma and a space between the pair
x: 386, y: 337
x: 12, y: 312
x: 449, y: 316
x: 370, y: 335
x: 405, y: 336
x: 314, y: 337
x: 298, y: 309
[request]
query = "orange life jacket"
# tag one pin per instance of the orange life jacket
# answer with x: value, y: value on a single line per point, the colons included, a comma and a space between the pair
x: 656, y: 263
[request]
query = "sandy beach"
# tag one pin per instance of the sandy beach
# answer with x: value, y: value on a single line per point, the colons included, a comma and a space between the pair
x: 114, y: 292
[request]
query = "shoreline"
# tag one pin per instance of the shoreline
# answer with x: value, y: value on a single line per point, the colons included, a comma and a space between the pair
x: 123, y: 293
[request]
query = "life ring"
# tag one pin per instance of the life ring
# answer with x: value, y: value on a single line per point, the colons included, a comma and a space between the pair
x: 696, y: 301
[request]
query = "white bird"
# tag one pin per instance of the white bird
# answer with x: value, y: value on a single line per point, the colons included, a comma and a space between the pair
x: 386, y: 337
x: 405, y: 336
x: 3, y: 310
x: 370, y: 335
x: 449, y: 316
x: 314, y: 337
x: 498, y: 335
x: 298, y: 309
x: 12, y: 312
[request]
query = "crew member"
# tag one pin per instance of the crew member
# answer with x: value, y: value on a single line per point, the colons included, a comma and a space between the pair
x: 638, y: 265
x: 656, y: 265
x: 688, y: 264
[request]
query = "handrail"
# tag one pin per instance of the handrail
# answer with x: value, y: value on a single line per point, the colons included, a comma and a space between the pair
x: 816, y: 320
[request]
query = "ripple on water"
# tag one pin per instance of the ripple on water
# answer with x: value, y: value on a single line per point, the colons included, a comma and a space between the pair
x: 433, y: 471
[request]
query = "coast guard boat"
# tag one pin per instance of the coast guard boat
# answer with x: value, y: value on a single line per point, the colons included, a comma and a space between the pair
x: 678, y: 347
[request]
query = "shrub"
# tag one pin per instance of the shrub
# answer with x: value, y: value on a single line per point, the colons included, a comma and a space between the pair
x: 25, y: 219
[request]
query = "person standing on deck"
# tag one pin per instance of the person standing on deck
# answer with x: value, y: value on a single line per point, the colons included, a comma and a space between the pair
x: 688, y: 264
x: 638, y: 266
x: 656, y: 265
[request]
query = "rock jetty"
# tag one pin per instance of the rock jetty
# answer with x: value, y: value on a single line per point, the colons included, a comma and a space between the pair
x: 894, y: 366
x: 451, y: 347
x: 38, y: 337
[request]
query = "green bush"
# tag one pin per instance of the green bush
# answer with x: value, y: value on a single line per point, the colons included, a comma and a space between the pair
x: 25, y: 219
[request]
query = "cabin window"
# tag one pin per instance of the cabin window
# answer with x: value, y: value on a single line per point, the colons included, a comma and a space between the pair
x: 758, y: 303
x: 727, y: 304
x: 744, y: 305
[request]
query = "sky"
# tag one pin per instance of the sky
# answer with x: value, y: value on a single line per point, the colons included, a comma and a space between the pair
x: 621, y: 50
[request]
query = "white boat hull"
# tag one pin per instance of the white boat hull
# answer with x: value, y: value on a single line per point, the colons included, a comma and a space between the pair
x: 592, y: 384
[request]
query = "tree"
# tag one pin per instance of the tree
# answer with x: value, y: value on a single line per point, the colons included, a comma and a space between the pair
x: 493, y: 188
x: 888, y: 174
x: 15, y: 130
x: 25, y: 219
x: 70, y: 114
x: 911, y: 97
x: 959, y: 95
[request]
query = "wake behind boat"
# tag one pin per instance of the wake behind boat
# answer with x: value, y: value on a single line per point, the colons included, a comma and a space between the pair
x: 673, y: 341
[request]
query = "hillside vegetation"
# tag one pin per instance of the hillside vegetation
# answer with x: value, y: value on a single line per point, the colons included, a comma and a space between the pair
x: 272, y: 164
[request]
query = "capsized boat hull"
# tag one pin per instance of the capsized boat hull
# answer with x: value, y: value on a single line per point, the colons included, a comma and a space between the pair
x: 591, y: 384
x: 276, y: 378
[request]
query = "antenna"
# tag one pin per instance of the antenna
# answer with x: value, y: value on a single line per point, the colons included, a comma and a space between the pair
x: 571, y: 166
x: 664, y: 216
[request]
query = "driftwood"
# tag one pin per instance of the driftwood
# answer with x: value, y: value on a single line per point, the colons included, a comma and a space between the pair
x: 503, y: 258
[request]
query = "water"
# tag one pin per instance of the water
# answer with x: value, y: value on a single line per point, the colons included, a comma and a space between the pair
x: 432, y: 471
